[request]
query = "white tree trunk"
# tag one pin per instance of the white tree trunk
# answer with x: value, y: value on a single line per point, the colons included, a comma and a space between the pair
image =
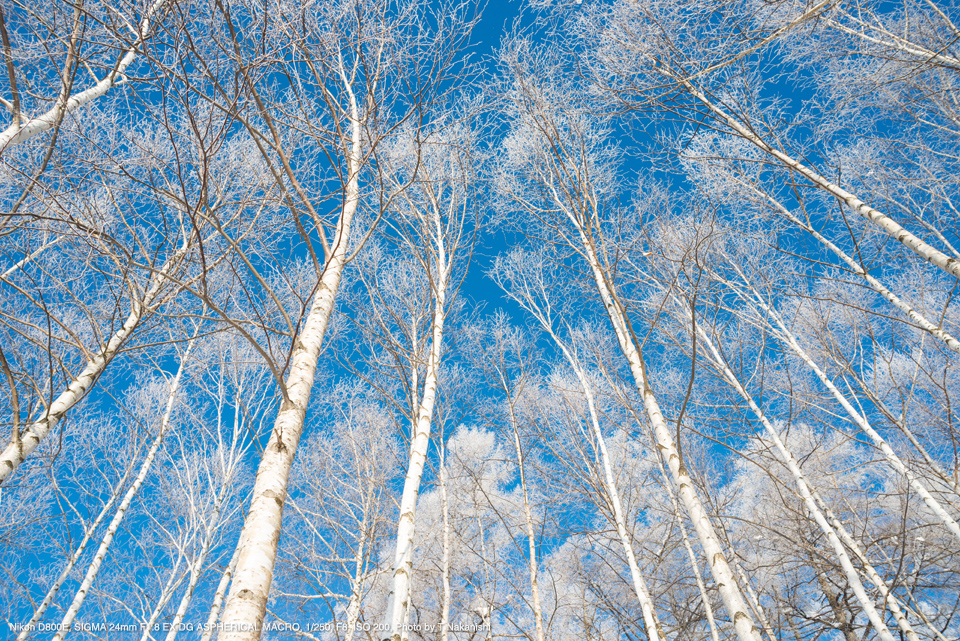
x: 445, y: 561
x: 250, y: 588
x: 528, y: 520
x: 111, y: 532
x: 861, y: 421
x: 87, y: 537
x: 872, y: 575
x: 813, y: 504
x: 730, y: 593
x: 934, y: 465
x: 356, y: 593
x: 651, y: 623
x: 197, y: 565
x: 881, y: 220
x: 211, y: 625
x: 921, y: 53
x: 399, y: 600
x: 704, y: 597
x: 16, y: 452
x: 21, y: 131
x: 877, y: 286
x: 165, y: 595
x: 29, y: 257
x: 755, y: 603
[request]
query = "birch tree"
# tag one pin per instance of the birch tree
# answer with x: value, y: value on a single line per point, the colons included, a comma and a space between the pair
x: 632, y: 60
x: 89, y: 58
x: 504, y: 364
x: 105, y: 236
x: 562, y: 154
x: 356, y: 63
x: 523, y: 280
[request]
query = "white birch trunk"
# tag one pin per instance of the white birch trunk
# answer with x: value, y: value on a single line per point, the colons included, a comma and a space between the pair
x: 528, y: 519
x: 21, y: 131
x: 229, y: 469
x: 755, y: 603
x: 708, y: 609
x: 730, y: 593
x: 356, y: 593
x: 813, y: 503
x: 197, y: 565
x: 872, y: 575
x: 111, y: 532
x: 922, y: 54
x: 87, y: 537
x: 934, y: 465
x: 486, y: 611
x: 29, y: 257
x: 445, y: 562
x: 247, y: 600
x: 165, y: 595
x: 877, y: 286
x: 864, y: 425
x: 399, y: 600
x: 901, y: 423
x: 651, y: 623
x: 881, y: 220
x: 211, y: 625
x: 16, y: 452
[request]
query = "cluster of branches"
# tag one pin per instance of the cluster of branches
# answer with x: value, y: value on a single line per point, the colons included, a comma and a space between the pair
x: 252, y: 390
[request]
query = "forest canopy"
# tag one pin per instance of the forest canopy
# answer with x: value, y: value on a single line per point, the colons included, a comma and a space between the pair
x: 396, y: 320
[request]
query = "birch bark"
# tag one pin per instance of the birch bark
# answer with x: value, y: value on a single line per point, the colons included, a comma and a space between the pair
x: 74, y: 559
x: 528, y: 520
x: 722, y: 574
x: 651, y: 622
x: 437, y: 209
x: 524, y: 296
x: 877, y: 286
x: 398, y: 601
x: 210, y: 627
x: 704, y: 597
x: 356, y: 594
x: 33, y: 434
x: 197, y: 565
x: 247, y: 600
x: 888, y: 225
x: 172, y: 584
x: 18, y: 132
x: 861, y: 421
x: 101, y: 554
x: 445, y: 561
x: 831, y: 527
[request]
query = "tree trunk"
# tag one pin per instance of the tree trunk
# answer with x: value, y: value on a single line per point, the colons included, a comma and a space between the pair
x: 812, y: 503
x: 87, y: 537
x: 197, y: 566
x: 704, y: 597
x: 528, y: 520
x: 211, y: 625
x: 398, y: 602
x: 877, y: 286
x: 861, y: 421
x: 247, y: 600
x: 21, y: 131
x: 881, y: 220
x: 733, y: 600
x: 445, y: 562
x: 94, y: 568
x: 356, y: 596
x: 651, y: 623
x: 16, y: 452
